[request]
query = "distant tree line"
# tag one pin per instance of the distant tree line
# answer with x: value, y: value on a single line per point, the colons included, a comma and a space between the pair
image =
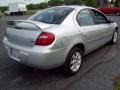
x: 60, y: 2
x: 3, y: 8
x: 50, y: 3
x: 55, y: 3
x: 116, y: 3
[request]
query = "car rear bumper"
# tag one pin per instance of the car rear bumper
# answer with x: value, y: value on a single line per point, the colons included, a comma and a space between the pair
x: 36, y: 56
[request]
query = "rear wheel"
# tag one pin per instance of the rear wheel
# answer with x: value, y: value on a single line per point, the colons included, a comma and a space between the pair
x: 115, y: 37
x: 73, y: 61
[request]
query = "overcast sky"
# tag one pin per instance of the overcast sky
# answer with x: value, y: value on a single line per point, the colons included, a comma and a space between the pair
x: 6, y: 2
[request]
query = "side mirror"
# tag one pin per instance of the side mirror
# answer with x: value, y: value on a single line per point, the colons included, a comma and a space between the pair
x: 110, y: 21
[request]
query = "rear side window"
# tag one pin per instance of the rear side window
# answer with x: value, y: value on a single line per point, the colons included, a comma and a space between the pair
x: 54, y: 15
x: 84, y: 18
x: 99, y: 17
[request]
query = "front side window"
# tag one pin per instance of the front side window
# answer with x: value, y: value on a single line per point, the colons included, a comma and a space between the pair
x: 54, y: 15
x: 85, y: 18
x: 99, y: 18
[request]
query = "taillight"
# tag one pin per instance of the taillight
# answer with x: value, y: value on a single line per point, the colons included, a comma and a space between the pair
x: 45, y: 39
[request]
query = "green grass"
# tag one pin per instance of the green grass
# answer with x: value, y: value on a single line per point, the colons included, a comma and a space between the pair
x: 117, y: 85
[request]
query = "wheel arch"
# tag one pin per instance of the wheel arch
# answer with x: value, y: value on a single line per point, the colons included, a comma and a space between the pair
x: 81, y: 46
x: 78, y: 45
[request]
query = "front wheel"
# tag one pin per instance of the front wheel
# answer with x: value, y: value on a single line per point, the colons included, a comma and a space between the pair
x: 115, y: 37
x: 73, y: 61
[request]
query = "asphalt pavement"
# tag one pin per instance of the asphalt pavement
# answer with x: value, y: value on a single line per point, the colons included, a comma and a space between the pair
x: 98, y: 72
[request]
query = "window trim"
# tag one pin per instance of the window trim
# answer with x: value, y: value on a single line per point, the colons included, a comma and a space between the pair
x: 91, y: 10
x: 90, y: 14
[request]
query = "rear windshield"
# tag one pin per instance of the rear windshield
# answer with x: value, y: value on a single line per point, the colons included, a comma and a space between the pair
x: 54, y: 15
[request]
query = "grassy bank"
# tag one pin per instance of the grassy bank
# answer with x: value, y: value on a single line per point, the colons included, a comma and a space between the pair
x: 117, y: 85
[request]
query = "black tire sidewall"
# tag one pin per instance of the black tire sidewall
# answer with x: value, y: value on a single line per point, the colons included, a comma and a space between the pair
x: 67, y: 68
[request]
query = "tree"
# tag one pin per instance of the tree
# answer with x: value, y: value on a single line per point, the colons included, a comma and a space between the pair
x: 41, y: 5
x: 3, y: 8
x: 36, y: 6
x: 55, y: 2
x: 67, y: 2
x: 117, y: 3
x: 31, y: 6
x: 92, y: 3
x: 79, y: 2
x: 73, y: 2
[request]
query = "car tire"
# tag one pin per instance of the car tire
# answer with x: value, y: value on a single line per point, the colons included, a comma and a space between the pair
x: 114, y: 37
x: 118, y: 13
x: 73, y: 61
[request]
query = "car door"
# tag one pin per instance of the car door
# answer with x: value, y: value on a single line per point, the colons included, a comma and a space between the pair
x: 102, y: 22
x: 90, y: 32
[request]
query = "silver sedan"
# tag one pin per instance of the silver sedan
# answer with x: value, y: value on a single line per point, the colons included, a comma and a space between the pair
x: 59, y: 36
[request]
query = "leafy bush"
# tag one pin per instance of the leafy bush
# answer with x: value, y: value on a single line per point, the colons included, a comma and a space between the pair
x: 55, y: 2
x: 36, y: 6
x: 3, y: 8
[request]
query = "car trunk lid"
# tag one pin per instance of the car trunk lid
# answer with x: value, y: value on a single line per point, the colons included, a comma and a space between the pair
x: 24, y: 32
